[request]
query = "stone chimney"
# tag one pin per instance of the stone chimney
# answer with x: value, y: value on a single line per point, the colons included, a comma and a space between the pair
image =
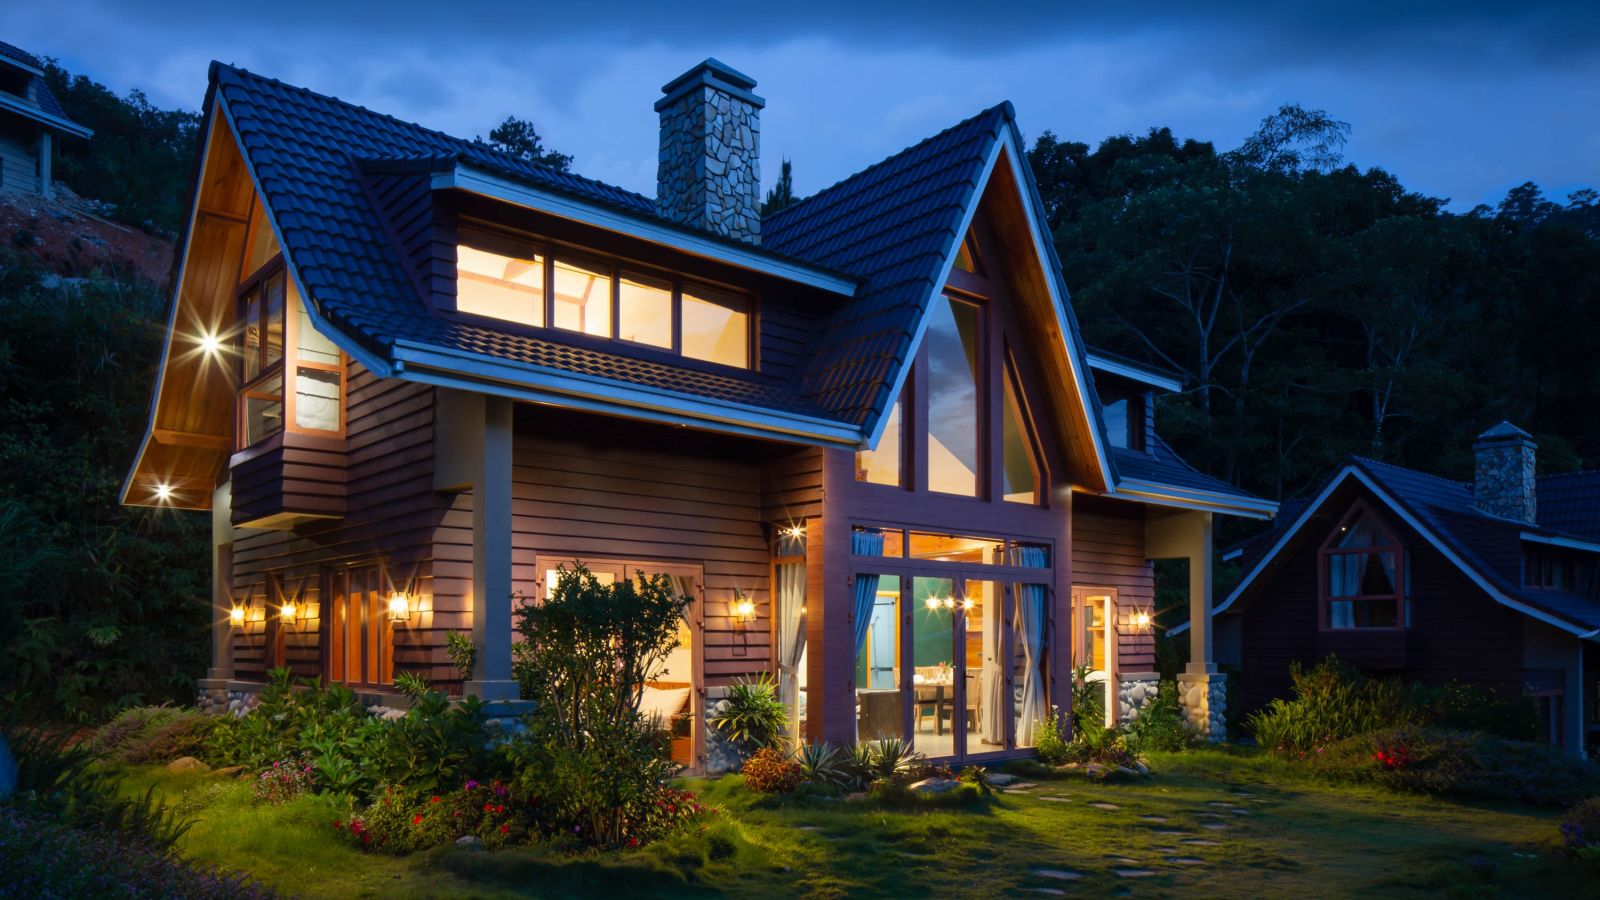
x: 709, y: 176
x: 1504, y: 475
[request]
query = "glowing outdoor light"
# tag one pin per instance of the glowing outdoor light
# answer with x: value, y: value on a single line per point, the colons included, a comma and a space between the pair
x: 287, y: 611
x: 1141, y: 619
x: 949, y: 603
x: 399, y: 607
x: 743, y: 609
x: 795, y: 532
x: 966, y: 603
x: 236, y: 615
x: 163, y: 491
x: 210, y: 344
x: 933, y: 602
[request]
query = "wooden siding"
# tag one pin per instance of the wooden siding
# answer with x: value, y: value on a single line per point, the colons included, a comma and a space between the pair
x: 1108, y: 551
x: 625, y: 491
x: 1457, y: 632
x: 289, y: 474
x: 392, y: 516
x: 19, y: 157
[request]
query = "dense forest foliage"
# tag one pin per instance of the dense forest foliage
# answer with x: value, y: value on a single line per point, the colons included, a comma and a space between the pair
x: 1314, y: 309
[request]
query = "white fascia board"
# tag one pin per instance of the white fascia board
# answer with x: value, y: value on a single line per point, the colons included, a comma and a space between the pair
x: 172, y: 315
x: 1057, y: 300
x: 904, y: 372
x: 1557, y: 541
x: 1232, y: 555
x: 23, y: 108
x: 1388, y: 500
x: 1123, y: 370
x: 470, y: 371
x: 1159, y: 494
x: 476, y: 181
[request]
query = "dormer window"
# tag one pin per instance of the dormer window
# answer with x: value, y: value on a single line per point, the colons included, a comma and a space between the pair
x: 1124, y: 418
x: 1365, y: 577
x: 513, y: 280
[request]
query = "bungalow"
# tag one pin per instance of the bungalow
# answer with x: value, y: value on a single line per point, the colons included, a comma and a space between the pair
x: 1494, y: 582
x: 30, y: 121
x: 411, y: 377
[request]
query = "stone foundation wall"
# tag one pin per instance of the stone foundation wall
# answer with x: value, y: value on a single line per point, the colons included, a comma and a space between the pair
x: 1204, y: 699
x: 721, y: 756
x: 1135, y: 691
x: 220, y: 700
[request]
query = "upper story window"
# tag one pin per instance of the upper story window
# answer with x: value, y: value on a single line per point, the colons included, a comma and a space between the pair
x: 1365, y: 577
x: 1124, y: 418
x: 516, y: 281
x: 277, y: 344
x: 953, y: 426
x: 1559, y: 570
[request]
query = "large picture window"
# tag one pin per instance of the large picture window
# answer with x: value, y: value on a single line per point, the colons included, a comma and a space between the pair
x: 514, y: 280
x: 954, y: 426
x: 1363, y: 575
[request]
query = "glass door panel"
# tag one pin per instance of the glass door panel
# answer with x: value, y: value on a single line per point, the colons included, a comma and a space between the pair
x: 1029, y: 630
x: 880, y: 708
x: 934, y: 666
x: 986, y: 703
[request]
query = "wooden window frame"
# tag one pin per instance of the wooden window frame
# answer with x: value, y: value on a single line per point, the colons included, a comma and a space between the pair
x: 1402, y: 561
x: 616, y: 269
x: 377, y: 633
x: 288, y: 364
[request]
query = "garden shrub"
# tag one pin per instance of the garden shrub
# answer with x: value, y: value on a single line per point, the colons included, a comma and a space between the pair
x: 821, y: 765
x: 285, y: 780
x: 1088, y: 702
x: 596, y: 765
x: 1443, y: 762
x: 1580, y: 831
x: 153, y: 734
x: 43, y: 857
x: 1333, y: 701
x: 1161, y: 725
x: 751, y: 716
x: 1052, y: 746
x: 768, y: 771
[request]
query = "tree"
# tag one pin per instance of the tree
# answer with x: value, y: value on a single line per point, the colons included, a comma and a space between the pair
x: 519, y: 138
x: 782, y: 193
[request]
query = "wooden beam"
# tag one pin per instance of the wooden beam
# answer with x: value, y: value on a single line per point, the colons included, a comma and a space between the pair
x: 225, y: 216
x: 175, y: 438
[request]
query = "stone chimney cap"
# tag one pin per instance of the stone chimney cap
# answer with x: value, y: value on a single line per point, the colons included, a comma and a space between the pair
x: 711, y: 73
x: 1506, y: 431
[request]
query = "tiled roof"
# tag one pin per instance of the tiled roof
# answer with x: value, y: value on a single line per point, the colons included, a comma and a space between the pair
x: 44, y: 96
x: 1162, y: 465
x: 307, y: 151
x: 893, y: 226
x: 17, y: 54
x: 1490, y: 545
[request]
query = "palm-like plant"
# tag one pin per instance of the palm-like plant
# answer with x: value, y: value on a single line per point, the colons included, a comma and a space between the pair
x: 752, y: 716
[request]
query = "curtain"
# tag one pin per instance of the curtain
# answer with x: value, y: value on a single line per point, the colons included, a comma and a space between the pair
x: 992, y: 681
x: 684, y: 586
x: 791, y: 606
x: 1030, y: 627
x: 865, y: 543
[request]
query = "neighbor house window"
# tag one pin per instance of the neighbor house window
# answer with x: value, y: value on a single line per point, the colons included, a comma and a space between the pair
x: 513, y: 280
x: 1544, y: 567
x: 1363, y: 578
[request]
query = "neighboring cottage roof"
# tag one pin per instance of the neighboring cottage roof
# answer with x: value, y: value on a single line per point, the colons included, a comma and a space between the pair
x: 1161, y: 465
x: 1488, y: 547
x: 40, y: 102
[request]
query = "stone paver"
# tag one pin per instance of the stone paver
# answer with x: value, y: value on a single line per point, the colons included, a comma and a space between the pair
x: 1156, y: 819
x: 1058, y: 874
x: 1168, y: 832
x: 1199, y: 842
x: 1240, y: 812
x: 1057, y: 799
x: 1215, y: 826
x: 1103, y: 805
x: 1053, y: 892
x: 1133, y: 873
x: 1185, y: 861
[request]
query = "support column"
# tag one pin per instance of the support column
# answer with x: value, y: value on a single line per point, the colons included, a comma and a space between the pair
x: 830, y: 604
x: 46, y: 183
x: 491, y: 551
x: 1201, y: 659
x: 213, y: 689
x: 1202, y: 690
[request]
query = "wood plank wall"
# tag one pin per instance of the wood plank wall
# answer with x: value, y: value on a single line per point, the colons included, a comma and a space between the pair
x: 393, y: 513
x: 585, y: 487
x: 1108, y: 551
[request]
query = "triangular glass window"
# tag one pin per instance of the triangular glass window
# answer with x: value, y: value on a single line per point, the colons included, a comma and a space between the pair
x: 967, y: 259
x: 1020, y: 473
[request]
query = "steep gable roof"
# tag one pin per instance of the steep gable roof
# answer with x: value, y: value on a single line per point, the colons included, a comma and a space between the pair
x: 43, y: 107
x: 1486, y: 548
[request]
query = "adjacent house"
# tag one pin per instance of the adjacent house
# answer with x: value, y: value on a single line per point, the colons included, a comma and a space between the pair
x: 1491, y: 582
x: 30, y: 121
x: 412, y: 377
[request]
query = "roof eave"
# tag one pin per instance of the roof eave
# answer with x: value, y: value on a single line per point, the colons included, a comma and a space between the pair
x: 479, y: 181
x: 1161, y: 494
x: 1132, y: 373
x: 22, y: 108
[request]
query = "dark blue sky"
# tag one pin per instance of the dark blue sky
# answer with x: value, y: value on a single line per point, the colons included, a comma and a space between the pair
x: 1460, y: 100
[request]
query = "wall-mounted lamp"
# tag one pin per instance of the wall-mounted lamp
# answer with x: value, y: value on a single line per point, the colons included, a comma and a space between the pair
x: 744, y: 610
x: 236, y: 616
x: 795, y: 532
x: 1141, y: 619
x: 399, y: 607
x: 210, y: 344
x: 288, y: 611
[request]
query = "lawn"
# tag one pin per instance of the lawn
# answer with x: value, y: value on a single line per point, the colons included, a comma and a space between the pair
x: 1211, y: 823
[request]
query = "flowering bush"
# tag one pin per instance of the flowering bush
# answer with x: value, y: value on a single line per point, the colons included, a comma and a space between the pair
x: 671, y: 809
x: 285, y: 780
x: 770, y: 772
x: 1394, y: 756
x: 401, y: 822
x: 1580, y: 831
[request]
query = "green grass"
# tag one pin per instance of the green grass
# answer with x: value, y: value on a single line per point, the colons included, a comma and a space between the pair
x: 1295, y: 837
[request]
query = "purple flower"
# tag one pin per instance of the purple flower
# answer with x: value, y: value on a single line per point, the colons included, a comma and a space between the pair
x: 472, y: 785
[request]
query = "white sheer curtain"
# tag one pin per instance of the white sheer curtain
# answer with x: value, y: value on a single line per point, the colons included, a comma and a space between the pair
x: 1031, y: 618
x: 790, y: 612
x: 992, y: 697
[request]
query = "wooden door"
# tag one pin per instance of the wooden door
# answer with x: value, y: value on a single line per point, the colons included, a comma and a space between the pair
x: 359, y: 647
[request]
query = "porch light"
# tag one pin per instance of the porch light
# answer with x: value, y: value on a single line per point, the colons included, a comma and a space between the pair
x: 949, y: 603
x: 743, y: 609
x: 1141, y: 619
x: 966, y: 603
x: 210, y: 344
x: 795, y: 532
x: 163, y: 491
x: 399, y: 607
x: 287, y: 612
x: 236, y: 615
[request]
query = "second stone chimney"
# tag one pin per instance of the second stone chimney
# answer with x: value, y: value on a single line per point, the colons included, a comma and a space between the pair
x: 709, y: 175
x: 1504, y: 475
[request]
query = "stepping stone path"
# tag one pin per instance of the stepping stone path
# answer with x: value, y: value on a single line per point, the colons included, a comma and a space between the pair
x: 1053, y: 892
x: 1168, y: 832
x: 1240, y: 812
x: 1124, y: 860
x: 1057, y: 799
x: 1185, y: 861
x: 1199, y: 842
x: 1022, y: 786
x: 1156, y: 819
x: 1132, y: 873
x: 1105, y: 806
x: 1001, y: 779
x: 1058, y: 874
x: 1215, y: 826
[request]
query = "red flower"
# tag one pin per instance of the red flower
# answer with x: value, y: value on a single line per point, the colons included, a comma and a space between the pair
x: 416, y: 819
x: 433, y: 799
x: 504, y: 829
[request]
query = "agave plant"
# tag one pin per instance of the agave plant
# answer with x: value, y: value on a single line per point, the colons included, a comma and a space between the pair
x: 856, y: 766
x: 821, y: 764
x: 892, y: 755
x: 752, y: 716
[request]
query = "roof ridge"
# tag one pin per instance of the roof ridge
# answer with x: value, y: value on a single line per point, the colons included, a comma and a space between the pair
x: 1004, y: 107
x: 1367, y: 460
x: 1581, y: 473
x: 450, y: 138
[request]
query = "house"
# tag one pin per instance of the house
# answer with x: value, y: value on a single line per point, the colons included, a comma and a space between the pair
x: 411, y: 377
x: 1491, y: 582
x: 30, y: 121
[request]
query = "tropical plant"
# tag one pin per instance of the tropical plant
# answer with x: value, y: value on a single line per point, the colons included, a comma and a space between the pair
x: 1161, y: 725
x: 411, y: 684
x: 462, y: 652
x: 821, y: 764
x: 1088, y: 701
x: 768, y: 771
x: 751, y: 716
x: 892, y: 756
